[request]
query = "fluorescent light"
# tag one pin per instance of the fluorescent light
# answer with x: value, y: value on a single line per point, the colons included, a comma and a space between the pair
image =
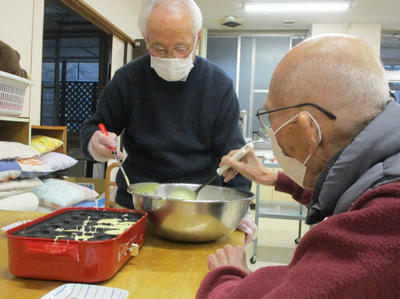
x: 275, y: 6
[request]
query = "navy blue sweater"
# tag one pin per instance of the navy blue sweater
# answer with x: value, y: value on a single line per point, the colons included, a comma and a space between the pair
x: 173, y: 131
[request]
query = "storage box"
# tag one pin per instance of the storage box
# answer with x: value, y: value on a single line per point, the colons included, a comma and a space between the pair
x: 12, y: 93
x: 56, y: 247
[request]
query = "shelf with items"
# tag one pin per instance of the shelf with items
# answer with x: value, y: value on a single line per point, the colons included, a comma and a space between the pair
x: 58, y: 132
x: 15, y: 129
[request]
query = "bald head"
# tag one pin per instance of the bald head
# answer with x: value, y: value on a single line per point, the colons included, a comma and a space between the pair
x: 340, y: 73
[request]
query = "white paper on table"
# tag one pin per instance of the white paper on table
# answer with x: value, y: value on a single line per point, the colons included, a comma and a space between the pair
x: 12, y: 225
x: 87, y: 291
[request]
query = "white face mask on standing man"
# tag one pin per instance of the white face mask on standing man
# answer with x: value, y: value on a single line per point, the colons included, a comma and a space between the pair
x: 173, y: 69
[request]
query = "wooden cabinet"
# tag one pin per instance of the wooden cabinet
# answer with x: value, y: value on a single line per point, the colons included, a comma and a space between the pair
x: 58, y: 132
x: 15, y: 129
x: 18, y: 129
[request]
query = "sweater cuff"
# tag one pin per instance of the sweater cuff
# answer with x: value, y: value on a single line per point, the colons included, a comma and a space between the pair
x: 284, y: 183
x: 85, y: 138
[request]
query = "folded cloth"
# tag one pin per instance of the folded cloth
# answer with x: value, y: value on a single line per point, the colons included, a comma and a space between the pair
x: 9, y: 61
x: 20, y: 184
x: 22, y: 168
x: 57, y: 161
x: 14, y: 150
x: 21, y: 202
x: 59, y: 193
x: 13, y: 192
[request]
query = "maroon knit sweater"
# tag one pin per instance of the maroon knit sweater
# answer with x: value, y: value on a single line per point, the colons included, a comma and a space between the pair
x: 355, y: 254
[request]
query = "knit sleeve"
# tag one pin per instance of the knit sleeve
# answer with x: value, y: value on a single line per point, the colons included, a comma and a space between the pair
x: 350, y: 255
x: 287, y: 185
x: 110, y: 111
x: 227, y: 135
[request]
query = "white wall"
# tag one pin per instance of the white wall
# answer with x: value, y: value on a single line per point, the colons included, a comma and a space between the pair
x: 36, y: 62
x: 203, y: 43
x: 22, y: 29
x: 122, y: 13
x: 369, y: 32
x: 117, y: 60
x: 117, y: 54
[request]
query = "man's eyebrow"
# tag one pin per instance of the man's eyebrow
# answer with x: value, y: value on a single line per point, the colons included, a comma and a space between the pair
x: 158, y: 45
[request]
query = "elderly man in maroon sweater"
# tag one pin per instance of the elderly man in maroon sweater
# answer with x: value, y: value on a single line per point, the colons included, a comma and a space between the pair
x: 335, y: 131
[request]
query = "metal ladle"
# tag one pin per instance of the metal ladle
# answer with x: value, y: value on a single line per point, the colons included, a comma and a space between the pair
x: 103, y: 130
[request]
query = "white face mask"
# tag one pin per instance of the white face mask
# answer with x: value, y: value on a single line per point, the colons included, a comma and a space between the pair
x: 172, y: 69
x: 293, y: 168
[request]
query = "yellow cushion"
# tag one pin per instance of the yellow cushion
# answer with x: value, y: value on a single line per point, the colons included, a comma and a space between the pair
x: 45, y: 144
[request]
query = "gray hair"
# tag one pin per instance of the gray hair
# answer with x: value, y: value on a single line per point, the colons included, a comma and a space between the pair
x: 191, y: 6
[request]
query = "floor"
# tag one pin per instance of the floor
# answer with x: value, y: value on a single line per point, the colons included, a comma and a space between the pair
x: 275, y: 242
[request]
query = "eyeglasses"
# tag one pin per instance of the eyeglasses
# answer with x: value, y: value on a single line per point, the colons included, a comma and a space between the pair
x: 178, y: 52
x: 262, y: 114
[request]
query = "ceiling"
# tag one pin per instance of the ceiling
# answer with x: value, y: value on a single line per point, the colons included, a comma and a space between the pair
x: 384, y: 12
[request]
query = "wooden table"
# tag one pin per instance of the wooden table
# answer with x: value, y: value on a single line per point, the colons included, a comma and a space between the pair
x: 163, y: 269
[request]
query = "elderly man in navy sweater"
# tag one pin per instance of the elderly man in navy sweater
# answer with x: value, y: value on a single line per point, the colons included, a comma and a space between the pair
x: 179, y: 112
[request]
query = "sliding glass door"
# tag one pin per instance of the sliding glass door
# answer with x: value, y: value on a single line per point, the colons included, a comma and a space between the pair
x: 250, y: 62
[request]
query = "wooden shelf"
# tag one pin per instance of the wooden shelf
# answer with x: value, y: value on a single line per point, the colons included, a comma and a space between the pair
x: 15, y: 129
x: 58, y: 132
x: 14, y: 119
x: 18, y: 129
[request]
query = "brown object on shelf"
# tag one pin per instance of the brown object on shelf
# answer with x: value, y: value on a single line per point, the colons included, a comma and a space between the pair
x: 58, y: 132
x: 9, y: 61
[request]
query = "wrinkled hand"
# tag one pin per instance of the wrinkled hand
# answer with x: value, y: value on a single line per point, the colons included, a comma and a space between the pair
x: 248, y: 226
x: 250, y: 167
x: 228, y: 256
x: 99, y: 146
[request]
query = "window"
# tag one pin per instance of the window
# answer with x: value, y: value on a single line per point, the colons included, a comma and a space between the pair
x: 390, y: 56
x: 390, y: 51
x: 250, y: 61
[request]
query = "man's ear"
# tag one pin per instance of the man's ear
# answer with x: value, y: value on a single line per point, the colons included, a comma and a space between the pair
x: 310, y: 131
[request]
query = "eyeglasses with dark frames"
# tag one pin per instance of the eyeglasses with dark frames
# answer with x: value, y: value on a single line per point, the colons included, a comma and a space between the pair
x: 262, y: 112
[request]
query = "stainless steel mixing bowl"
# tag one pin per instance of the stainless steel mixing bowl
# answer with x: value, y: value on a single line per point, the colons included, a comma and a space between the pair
x: 216, y: 212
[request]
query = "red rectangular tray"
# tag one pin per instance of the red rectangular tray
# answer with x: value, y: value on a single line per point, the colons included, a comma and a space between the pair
x: 70, y: 260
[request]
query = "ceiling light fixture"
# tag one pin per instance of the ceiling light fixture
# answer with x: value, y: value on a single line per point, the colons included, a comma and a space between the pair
x: 290, y: 6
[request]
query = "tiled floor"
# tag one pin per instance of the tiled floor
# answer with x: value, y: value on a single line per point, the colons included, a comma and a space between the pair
x: 275, y: 242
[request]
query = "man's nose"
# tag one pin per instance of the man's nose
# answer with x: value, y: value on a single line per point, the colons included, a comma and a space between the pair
x: 170, y: 54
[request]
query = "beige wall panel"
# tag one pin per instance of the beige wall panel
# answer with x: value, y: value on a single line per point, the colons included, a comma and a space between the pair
x: 36, y: 61
x: 117, y: 60
x: 122, y: 13
x: 265, y: 191
x: 281, y: 196
x: 117, y: 56
x: 16, y: 18
x: 129, y: 53
x: 369, y: 32
x: 203, y: 43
